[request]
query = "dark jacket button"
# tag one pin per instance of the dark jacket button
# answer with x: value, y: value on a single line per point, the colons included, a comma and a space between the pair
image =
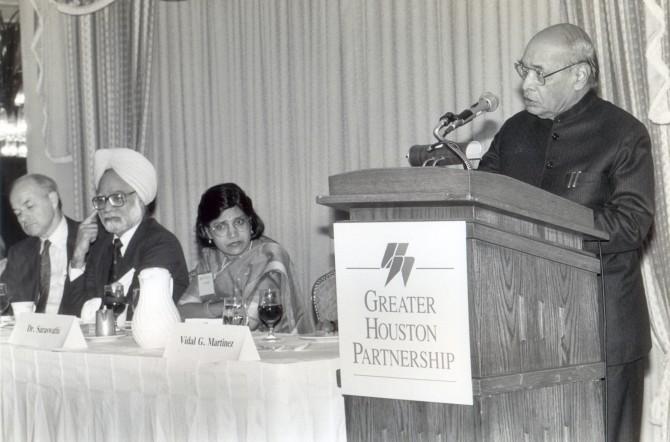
x: 549, y: 164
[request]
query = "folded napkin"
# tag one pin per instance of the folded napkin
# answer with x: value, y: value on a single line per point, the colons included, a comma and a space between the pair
x: 88, y: 310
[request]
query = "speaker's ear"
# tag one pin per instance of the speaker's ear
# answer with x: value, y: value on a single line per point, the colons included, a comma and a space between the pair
x: 583, y: 74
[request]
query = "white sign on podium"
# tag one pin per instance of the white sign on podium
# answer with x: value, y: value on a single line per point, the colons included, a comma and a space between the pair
x: 402, y: 299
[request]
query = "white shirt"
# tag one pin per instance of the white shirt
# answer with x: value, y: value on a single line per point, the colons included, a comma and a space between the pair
x: 126, y: 237
x: 58, y: 260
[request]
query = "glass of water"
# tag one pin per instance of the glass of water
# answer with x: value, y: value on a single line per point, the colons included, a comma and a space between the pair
x: 4, y: 298
x: 234, y: 311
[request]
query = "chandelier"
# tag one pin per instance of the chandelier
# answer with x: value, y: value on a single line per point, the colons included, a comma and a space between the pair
x: 12, y: 122
x: 13, y: 129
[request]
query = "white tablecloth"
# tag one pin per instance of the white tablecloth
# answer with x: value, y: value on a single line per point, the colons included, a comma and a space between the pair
x: 118, y: 392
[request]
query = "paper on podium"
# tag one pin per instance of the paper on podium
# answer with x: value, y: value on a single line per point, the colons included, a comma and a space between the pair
x: 197, y: 342
x: 48, y: 331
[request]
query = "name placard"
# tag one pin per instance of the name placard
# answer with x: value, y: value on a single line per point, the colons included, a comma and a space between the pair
x: 402, y: 298
x: 48, y: 331
x: 202, y: 342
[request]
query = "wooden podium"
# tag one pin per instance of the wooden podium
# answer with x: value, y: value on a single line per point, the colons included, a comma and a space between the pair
x: 534, y: 301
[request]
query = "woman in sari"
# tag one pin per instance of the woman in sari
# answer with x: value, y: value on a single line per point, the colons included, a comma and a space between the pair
x: 237, y: 260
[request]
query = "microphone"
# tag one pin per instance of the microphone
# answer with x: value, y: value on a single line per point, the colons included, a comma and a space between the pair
x: 438, y: 155
x: 487, y: 102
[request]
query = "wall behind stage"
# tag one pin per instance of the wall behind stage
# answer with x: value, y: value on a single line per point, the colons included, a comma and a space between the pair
x: 277, y: 96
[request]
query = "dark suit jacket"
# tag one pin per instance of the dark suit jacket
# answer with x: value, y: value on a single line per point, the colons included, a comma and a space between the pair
x: 152, y: 245
x: 598, y: 155
x: 22, y: 274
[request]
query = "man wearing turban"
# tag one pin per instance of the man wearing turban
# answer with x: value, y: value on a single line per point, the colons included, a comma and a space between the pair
x: 129, y: 239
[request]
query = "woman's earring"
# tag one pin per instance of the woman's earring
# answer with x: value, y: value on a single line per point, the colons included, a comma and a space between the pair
x: 209, y: 241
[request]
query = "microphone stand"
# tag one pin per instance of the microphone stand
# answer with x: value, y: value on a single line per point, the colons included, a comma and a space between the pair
x: 447, y: 124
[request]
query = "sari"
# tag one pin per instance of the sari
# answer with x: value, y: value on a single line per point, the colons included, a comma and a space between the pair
x: 264, y: 265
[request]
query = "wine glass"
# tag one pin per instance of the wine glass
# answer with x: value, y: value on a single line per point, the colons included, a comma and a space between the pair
x: 234, y: 311
x: 270, y: 310
x: 114, y: 298
x: 4, y: 298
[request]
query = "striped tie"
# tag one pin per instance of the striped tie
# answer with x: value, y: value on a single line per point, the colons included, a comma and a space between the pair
x: 45, y: 277
x: 116, y: 261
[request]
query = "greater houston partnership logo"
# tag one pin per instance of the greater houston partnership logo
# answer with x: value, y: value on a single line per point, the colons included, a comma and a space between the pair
x: 395, y: 260
x: 402, y: 299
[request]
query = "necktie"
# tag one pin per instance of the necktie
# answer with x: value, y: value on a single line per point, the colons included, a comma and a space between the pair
x: 45, y: 277
x: 116, y: 261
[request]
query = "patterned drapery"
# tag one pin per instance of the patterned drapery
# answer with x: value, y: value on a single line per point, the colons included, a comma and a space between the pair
x: 100, y: 92
x: 632, y: 42
x: 80, y: 7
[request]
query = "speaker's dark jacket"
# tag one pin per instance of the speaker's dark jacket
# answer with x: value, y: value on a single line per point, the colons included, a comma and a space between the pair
x: 598, y: 155
x: 22, y: 273
x: 152, y: 245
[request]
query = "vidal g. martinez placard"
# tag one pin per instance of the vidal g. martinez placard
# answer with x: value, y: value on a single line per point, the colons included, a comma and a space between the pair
x: 402, y: 300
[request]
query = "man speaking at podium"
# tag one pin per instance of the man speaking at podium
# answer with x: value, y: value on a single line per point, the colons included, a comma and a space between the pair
x: 570, y: 142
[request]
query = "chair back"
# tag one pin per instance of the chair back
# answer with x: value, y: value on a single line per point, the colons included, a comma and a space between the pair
x: 324, y: 298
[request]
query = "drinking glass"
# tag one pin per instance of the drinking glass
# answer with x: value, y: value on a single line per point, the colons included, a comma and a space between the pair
x: 114, y: 298
x: 270, y: 310
x: 234, y: 311
x: 4, y: 298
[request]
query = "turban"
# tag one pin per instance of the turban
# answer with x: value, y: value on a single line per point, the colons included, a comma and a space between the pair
x: 131, y: 166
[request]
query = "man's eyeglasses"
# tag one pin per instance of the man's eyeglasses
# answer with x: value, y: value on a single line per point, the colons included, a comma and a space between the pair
x: 221, y: 229
x: 116, y: 199
x: 523, y: 71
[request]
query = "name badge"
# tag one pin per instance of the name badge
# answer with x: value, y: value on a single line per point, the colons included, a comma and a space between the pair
x: 48, y: 331
x: 205, y: 284
x: 202, y: 342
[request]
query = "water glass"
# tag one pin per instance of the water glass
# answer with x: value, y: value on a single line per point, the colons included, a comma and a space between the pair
x: 4, y: 298
x: 114, y: 298
x: 234, y: 311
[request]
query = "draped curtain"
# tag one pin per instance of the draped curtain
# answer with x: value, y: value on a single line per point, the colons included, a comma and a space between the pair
x: 624, y: 32
x: 278, y: 95
x: 100, y: 93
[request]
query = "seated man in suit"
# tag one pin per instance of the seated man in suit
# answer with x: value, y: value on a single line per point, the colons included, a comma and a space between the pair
x: 129, y: 239
x: 37, y: 266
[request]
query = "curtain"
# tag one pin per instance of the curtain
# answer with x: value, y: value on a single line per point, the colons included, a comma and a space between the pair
x: 620, y: 33
x: 80, y: 7
x: 279, y: 95
x: 100, y: 93
x: 657, y: 14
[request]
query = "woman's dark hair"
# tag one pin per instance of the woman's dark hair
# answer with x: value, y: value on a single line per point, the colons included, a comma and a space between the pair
x: 219, y: 198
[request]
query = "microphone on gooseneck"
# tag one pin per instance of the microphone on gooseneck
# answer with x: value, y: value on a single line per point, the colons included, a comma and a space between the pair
x: 487, y: 102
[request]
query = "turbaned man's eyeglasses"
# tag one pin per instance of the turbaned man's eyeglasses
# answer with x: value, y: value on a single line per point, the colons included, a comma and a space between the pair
x: 116, y: 199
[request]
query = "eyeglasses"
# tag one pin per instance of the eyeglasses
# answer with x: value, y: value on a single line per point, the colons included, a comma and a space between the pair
x: 116, y: 199
x: 523, y: 71
x: 222, y: 229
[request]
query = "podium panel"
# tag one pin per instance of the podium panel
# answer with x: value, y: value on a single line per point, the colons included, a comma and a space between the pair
x: 535, y: 310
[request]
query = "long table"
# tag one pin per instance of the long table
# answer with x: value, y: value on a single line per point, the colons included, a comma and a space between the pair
x: 115, y: 391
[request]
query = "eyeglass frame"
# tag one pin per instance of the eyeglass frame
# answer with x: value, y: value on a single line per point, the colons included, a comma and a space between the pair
x: 106, y: 198
x: 219, y: 231
x: 519, y: 67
